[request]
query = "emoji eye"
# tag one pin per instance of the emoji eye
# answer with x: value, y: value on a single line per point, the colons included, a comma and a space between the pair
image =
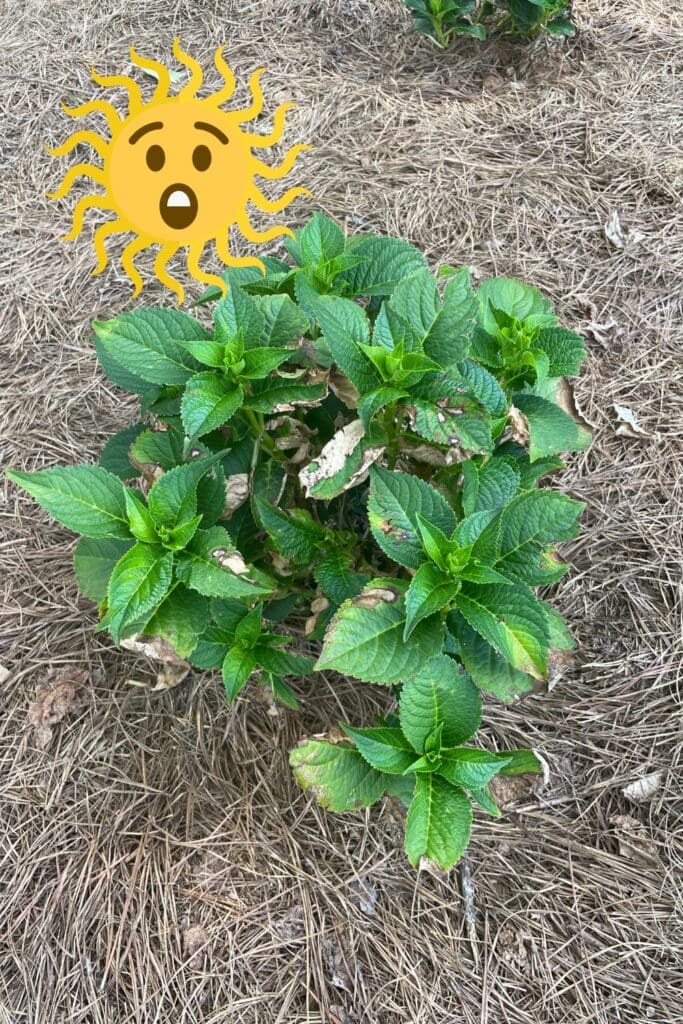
x: 155, y: 158
x: 201, y: 158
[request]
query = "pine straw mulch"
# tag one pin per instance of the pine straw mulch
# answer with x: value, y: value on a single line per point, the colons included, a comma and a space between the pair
x: 158, y: 862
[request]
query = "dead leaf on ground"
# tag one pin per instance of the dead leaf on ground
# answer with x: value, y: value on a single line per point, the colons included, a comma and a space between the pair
x: 363, y: 894
x: 628, y: 423
x: 643, y: 789
x: 291, y: 927
x: 4, y: 674
x: 60, y: 693
x: 634, y: 841
x: 335, y: 963
x: 195, y: 945
x: 560, y: 664
x: 620, y: 238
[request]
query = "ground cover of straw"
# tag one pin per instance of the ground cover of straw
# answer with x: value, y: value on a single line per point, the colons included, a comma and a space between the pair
x: 157, y: 862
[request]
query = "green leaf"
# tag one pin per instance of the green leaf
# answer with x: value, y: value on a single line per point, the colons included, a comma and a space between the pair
x: 172, y: 500
x: 337, y: 775
x: 530, y: 520
x: 118, y: 374
x: 551, y: 429
x: 284, y: 321
x: 385, y: 749
x: 439, y: 694
x: 284, y: 663
x: 115, y: 454
x: 383, y: 262
x: 519, y: 762
x: 209, y: 401
x: 484, y: 386
x: 435, y: 542
x: 162, y: 448
x: 180, y: 536
x: 337, y: 579
x: 320, y: 241
x: 238, y: 665
x: 281, y: 692
x: 85, y: 499
x: 345, y: 326
x: 180, y: 619
x: 483, y: 798
x: 238, y: 318
x: 139, y: 581
x: 296, y: 535
x: 271, y: 394
x: 211, y: 648
x: 488, y: 669
x: 94, y: 561
x: 200, y: 568
x: 140, y: 521
x: 490, y: 486
x: 451, y: 426
x: 515, y: 298
x: 394, y: 502
x: 473, y: 769
x: 429, y: 591
x: 565, y: 351
x: 258, y: 362
x: 372, y: 403
x: 248, y: 629
x: 206, y: 351
x: 443, y: 327
x: 148, y: 343
x: 365, y: 637
x: 438, y: 823
x: 512, y: 620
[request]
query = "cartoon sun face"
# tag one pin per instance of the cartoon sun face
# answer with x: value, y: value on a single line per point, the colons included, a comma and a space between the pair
x: 178, y: 171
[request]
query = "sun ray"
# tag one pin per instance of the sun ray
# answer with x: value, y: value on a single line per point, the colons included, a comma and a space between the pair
x: 135, y: 246
x: 252, y: 235
x: 160, y: 262
x: 272, y: 173
x: 86, y: 203
x: 224, y: 254
x: 111, y: 227
x: 193, y: 254
x: 156, y: 68
x: 131, y: 87
x: 276, y: 205
x: 96, y: 106
x: 95, y: 174
x: 261, y: 141
x: 223, y: 68
x: 100, y: 145
x: 256, y: 105
x: 196, y: 74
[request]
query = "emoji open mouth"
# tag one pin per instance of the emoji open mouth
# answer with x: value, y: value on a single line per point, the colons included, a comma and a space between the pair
x: 178, y: 206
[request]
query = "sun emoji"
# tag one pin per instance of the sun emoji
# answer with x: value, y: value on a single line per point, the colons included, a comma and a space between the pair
x: 178, y: 171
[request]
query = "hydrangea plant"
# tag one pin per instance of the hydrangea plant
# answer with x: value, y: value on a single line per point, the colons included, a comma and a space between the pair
x: 345, y: 460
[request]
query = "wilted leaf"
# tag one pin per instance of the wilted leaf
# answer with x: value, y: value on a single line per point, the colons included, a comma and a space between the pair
x: 519, y: 428
x: 343, y: 463
x: 634, y: 841
x: 58, y: 694
x: 236, y: 492
x: 621, y: 239
x: 643, y: 789
x: 628, y: 423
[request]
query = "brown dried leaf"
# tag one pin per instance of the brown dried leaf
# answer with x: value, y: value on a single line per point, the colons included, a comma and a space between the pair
x: 236, y: 492
x: 195, y: 943
x: 333, y: 457
x: 56, y: 696
x: 644, y: 789
x: 519, y: 428
x: 154, y: 648
x: 344, y: 389
x: 628, y: 423
x: 634, y: 841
